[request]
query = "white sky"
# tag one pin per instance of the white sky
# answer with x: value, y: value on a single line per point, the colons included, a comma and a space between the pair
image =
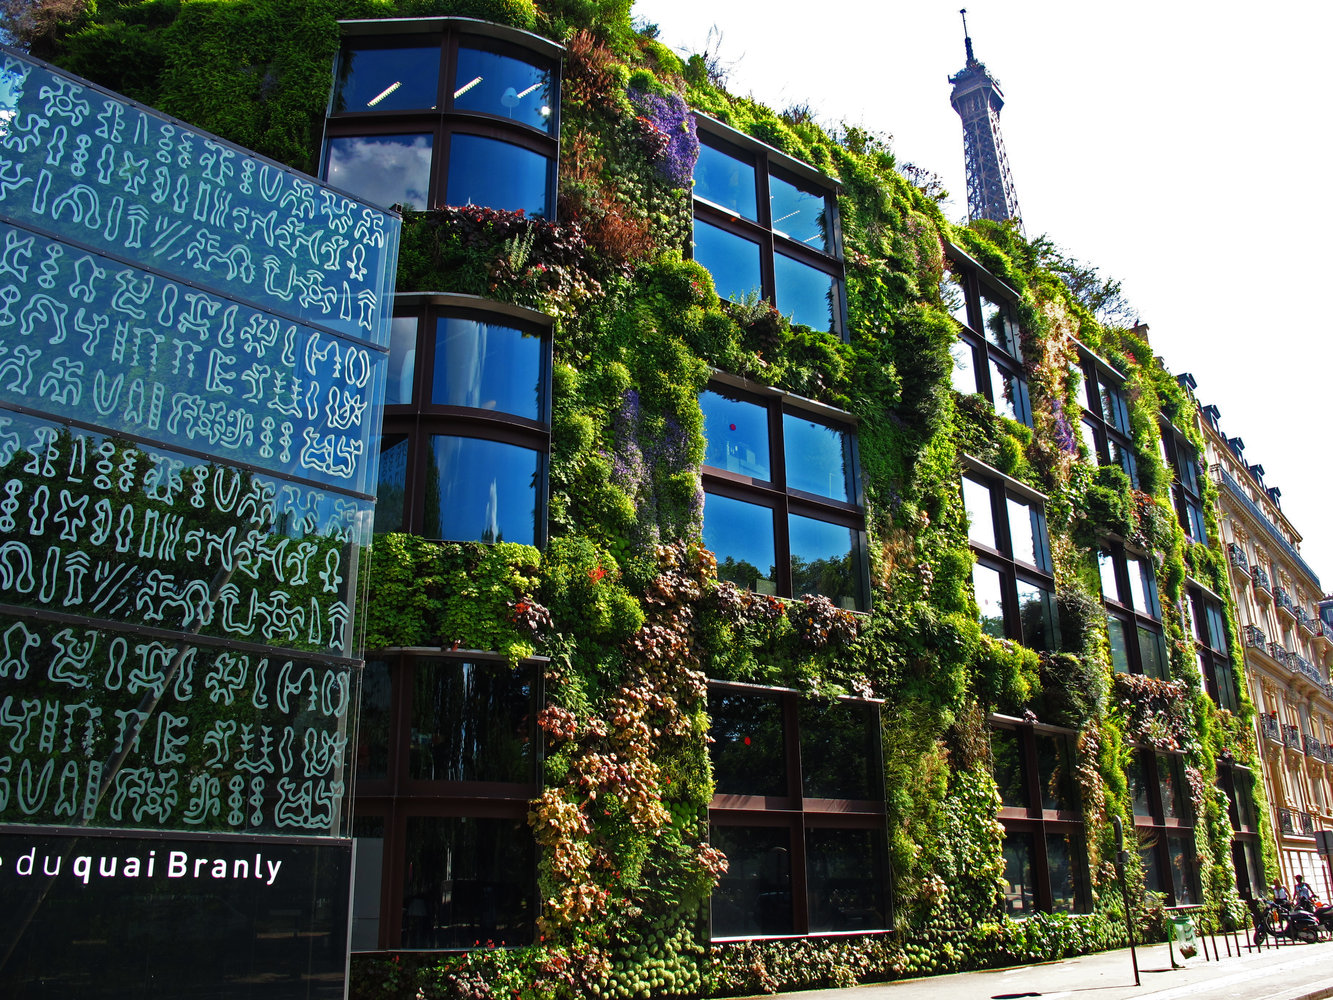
x: 1179, y: 147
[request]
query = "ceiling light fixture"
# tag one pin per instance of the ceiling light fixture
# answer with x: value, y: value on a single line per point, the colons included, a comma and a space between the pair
x: 384, y: 93
x: 466, y: 87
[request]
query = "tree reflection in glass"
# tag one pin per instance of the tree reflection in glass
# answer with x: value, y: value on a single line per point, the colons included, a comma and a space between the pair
x: 748, y: 747
x: 1010, y: 774
x: 839, y: 755
x: 754, y: 897
x: 845, y: 882
x: 741, y: 535
x: 472, y: 722
x: 822, y: 560
x: 487, y: 366
x: 819, y: 458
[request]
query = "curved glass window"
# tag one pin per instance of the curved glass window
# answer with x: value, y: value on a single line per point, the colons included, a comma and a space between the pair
x: 819, y: 458
x: 732, y: 260
x: 376, y: 78
x: 806, y: 294
x: 726, y: 181
x: 737, y: 435
x: 487, y: 367
x: 479, y: 490
x: 741, y: 535
x: 496, y: 174
x: 383, y: 169
x: 503, y: 86
x: 798, y: 214
x: 391, y: 493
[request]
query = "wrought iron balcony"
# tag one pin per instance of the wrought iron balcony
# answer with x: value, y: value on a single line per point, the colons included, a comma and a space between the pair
x: 1272, y: 729
x: 1307, y: 823
x: 1260, y: 577
x: 1313, y: 748
x: 1292, y: 737
x: 1307, y: 621
x: 1284, y: 601
x: 1238, y: 559
x: 1287, y: 820
x: 1254, y: 636
x: 1278, y: 652
x: 1304, y: 667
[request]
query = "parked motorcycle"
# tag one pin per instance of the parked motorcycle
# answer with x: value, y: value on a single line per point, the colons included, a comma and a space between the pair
x: 1274, y: 919
x: 1322, y: 912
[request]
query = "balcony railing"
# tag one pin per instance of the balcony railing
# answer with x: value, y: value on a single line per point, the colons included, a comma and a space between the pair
x: 1292, y: 737
x: 1287, y: 820
x: 1296, y: 823
x: 1260, y: 576
x: 1284, y: 601
x: 1237, y: 491
x: 1238, y: 559
x: 1304, y: 667
x: 1307, y: 621
x: 1278, y: 652
x: 1272, y: 729
x: 1254, y: 636
x: 1313, y: 748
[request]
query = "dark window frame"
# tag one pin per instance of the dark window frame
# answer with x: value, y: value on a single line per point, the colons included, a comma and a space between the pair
x: 767, y: 162
x: 1156, y: 831
x: 1033, y: 818
x: 796, y: 812
x: 1002, y: 559
x: 1113, y: 437
x: 976, y: 284
x: 1187, y: 484
x: 398, y: 797
x: 420, y: 419
x: 1246, y: 840
x: 1213, y: 651
x: 444, y: 121
x: 1122, y: 607
x: 775, y: 495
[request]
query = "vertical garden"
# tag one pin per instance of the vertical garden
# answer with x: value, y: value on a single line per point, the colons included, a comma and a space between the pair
x: 625, y: 604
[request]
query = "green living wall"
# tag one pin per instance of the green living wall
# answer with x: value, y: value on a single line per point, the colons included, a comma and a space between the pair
x: 623, y: 600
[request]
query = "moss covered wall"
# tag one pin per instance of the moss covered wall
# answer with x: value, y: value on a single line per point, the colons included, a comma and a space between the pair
x: 623, y: 600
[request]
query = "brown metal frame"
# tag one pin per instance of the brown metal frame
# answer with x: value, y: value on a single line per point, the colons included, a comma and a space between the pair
x: 1035, y: 819
x: 774, y: 495
x: 398, y: 797
x: 1134, y: 617
x: 1158, y: 825
x: 969, y: 276
x: 443, y: 121
x: 766, y: 161
x: 794, y: 811
x: 419, y: 420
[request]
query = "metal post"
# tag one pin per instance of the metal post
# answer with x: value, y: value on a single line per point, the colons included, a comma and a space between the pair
x: 1121, y: 857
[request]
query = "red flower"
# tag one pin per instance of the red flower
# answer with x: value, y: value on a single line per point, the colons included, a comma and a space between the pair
x: 596, y: 573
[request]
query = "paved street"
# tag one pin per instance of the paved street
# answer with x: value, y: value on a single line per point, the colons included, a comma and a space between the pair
x: 1295, y: 972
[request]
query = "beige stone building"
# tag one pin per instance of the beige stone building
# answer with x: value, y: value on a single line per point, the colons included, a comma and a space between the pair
x: 1288, y: 651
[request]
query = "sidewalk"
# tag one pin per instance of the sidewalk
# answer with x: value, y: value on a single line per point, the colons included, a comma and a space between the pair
x: 1292, y: 972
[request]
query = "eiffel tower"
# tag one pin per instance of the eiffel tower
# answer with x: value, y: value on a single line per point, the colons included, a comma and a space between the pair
x: 977, y: 99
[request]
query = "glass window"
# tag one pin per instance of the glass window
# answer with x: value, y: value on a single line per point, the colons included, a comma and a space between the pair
x: 1020, y: 886
x: 840, y: 750
x: 954, y: 297
x: 741, y: 536
x: 391, y: 490
x: 737, y: 435
x: 799, y: 214
x: 998, y: 325
x: 1008, y: 393
x: 845, y: 883
x: 1138, y: 786
x: 1171, y: 780
x: 1119, y: 644
x: 754, y: 897
x: 398, y: 386
x: 748, y: 748
x: 1036, y: 612
x: 980, y: 514
x: 824, y: 560
x: 1141, y: 589
x: 964, y: 376
x: 503, y: 86
x: 726, y: 181
x: 819, y: 458
x: 1024, y: 533
x: 732, y: 260
x: 373, y: 78
x: 1152, y: 652
x: 1106, y: 565
x: 487, y: 366
x: 467, y: 880
x: 382, y: 169
x: 497, y: 174
x: 367, y: 881
x: 1184, y: 870
x: 1055, y: 764
x: 473, y: 721
x: 989, y: 588
x: 805, y: 294
x: 1010, y: 768
x: 375, y: 723
x: 1064, y: 854
x: 479, y: 490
